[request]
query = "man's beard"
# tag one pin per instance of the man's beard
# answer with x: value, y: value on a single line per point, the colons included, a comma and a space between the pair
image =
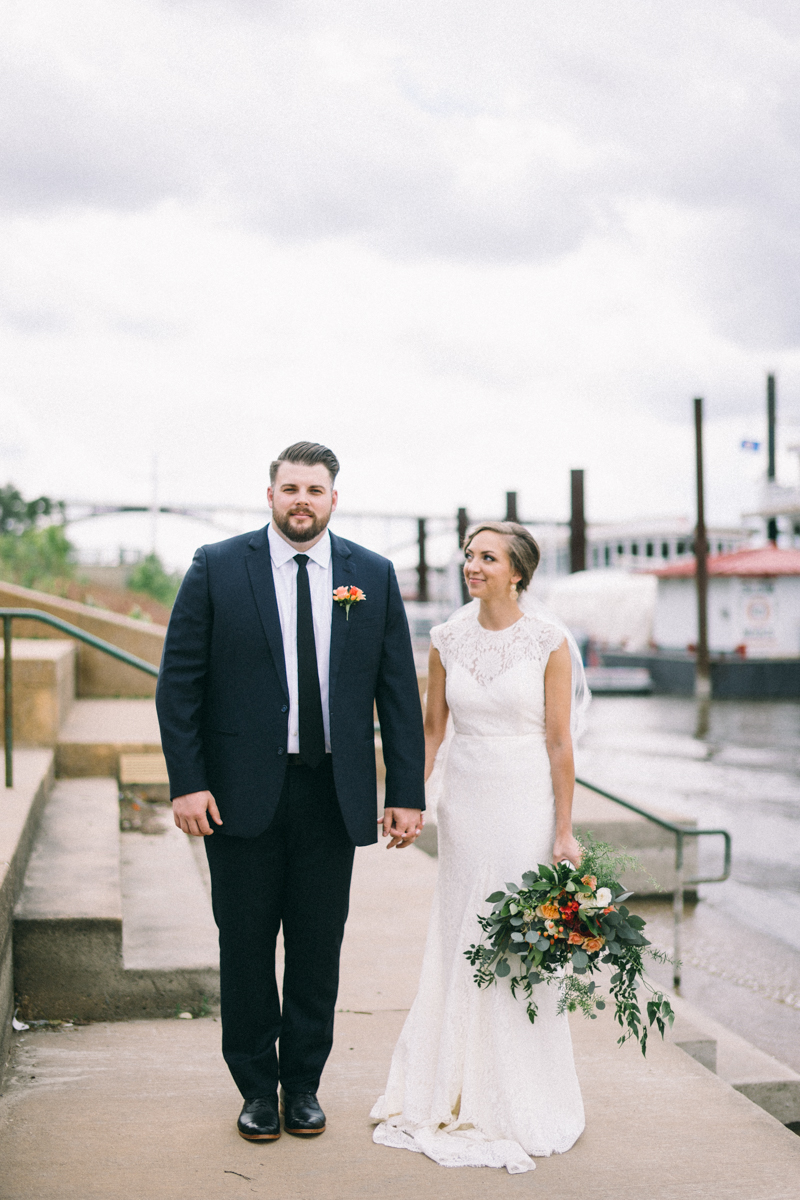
x: 308, y: 533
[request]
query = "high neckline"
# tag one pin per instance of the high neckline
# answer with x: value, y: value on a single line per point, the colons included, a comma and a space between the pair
x: 507, y: 628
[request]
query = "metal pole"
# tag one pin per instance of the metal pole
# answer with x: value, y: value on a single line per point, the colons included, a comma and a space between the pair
x: 422, y: 566
x: 577, y: 525
x: 463, y: 524
x: 8, y: 713
x: 702, y: 670
x: 772, y: 523
x: 677, y: 912
x: 511, y: 506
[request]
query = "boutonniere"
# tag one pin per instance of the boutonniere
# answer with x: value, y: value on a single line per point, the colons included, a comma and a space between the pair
x: 347, y: 596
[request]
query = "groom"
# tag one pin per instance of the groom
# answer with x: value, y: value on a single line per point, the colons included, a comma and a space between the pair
x: 265, y: 700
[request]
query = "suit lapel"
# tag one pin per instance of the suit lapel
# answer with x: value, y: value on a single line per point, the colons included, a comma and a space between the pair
x: 340, y: 627
x: 259, y: 568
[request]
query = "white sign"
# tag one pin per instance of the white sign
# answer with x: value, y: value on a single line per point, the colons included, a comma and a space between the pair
x: 759, y: 617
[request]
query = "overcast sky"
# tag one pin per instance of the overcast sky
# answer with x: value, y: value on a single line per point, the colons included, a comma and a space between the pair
x: 467, y: 245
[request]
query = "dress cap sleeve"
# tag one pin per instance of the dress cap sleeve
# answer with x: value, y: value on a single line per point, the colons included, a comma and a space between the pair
x: 552, y: 638
x: 440, y: 640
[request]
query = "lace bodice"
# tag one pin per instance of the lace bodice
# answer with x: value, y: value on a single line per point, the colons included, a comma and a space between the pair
x: 495, y: 678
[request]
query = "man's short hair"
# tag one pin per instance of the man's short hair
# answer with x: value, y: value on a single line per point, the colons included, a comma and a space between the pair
x: 308, y: 453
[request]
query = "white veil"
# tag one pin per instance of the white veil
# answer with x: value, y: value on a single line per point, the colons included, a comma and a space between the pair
x: 581, y: 696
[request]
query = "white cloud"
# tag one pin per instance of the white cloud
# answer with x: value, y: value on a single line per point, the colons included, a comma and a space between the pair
x: 468, y: 245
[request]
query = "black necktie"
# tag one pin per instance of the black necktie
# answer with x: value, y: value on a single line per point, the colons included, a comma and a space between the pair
x: 310, y: 726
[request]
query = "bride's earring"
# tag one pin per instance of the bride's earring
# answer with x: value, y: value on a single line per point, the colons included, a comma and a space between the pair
x: 513, y: 592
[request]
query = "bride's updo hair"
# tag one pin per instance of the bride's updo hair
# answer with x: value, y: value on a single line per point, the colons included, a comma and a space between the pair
x: 523, y: 549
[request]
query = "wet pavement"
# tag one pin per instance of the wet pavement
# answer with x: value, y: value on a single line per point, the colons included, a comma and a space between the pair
x: 734, y: 765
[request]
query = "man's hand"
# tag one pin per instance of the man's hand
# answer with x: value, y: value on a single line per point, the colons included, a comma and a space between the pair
x: 402, y: 825
x: 190, y: 813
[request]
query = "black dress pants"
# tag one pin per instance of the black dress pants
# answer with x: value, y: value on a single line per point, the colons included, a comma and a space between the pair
x: 296, y: 874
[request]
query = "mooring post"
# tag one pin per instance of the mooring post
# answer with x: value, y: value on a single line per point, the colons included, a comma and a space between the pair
x: 463, y: 524
x: 772, y: 523
x: 577, y: 524
x: 422, y: 565
x: 8, y: 714
x: 702, y: 670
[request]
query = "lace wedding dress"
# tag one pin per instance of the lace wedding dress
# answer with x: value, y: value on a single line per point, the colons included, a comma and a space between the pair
x: 472, y: 1082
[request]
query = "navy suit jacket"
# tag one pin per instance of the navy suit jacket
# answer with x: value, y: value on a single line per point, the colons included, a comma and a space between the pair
x: 223, y: 701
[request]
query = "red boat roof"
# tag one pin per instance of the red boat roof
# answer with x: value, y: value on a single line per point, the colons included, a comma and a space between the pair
x: 767, y: 560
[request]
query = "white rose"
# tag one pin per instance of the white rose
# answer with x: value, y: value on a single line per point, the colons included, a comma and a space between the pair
x: 586, y: 900
x: 603, y: 897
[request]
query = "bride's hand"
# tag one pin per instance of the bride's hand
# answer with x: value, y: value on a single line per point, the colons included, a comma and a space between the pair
x: 567, y: 846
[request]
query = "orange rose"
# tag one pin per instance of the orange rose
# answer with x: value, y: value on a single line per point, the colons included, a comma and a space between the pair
x: 548, y: 911
x: 347, y: 596
x: 590, y: 881
x: 576, y: 939
x: 594, y: 943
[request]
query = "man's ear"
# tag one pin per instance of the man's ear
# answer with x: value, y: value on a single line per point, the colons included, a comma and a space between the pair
x: 270, y: 496
x: 334, y: 500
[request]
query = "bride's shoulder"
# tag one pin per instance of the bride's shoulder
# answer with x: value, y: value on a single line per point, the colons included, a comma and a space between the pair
x: 547, y: 635
x: 452, y: 633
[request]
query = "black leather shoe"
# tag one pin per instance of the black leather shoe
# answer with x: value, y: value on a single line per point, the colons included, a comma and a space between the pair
x: 302, y: 1115
x: 259, y: 1120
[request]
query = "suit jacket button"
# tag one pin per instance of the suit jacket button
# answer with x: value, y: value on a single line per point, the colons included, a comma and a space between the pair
x: 284, y: 708
x: 281, y: 750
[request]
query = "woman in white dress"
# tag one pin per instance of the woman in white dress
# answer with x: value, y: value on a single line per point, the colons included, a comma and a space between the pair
x: 472, y: 1082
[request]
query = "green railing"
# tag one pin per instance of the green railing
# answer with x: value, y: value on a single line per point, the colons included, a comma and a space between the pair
x: 34, y: 614
x: 680, y: 832
x: 681, y: 883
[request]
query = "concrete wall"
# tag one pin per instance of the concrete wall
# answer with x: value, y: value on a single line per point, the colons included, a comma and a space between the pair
x: 43, y: 677
x: 763, y: 615
x: 97, y: 673
x: 20, y: 811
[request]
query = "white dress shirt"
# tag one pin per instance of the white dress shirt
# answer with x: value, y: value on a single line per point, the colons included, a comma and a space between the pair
x: 320, y: 581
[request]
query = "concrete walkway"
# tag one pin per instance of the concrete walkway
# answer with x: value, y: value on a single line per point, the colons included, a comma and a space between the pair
x: 146, y: 1109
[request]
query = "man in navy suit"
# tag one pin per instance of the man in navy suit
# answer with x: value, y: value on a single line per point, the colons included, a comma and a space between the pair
x: 266, y: 704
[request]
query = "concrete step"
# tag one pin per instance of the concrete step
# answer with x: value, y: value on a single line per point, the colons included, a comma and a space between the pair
x: 763, y: 1079
x: 84, y: 903
x: 43, y: 672
x: 97, y: 732
x: 167, y: 918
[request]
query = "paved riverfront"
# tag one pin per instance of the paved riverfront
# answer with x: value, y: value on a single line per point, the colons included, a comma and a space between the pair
x: 739, y: 771
x: 147, y: 1109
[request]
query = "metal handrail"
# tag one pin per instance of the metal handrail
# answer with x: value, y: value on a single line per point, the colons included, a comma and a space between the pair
x: 35, y: 614
x: 680, y: 832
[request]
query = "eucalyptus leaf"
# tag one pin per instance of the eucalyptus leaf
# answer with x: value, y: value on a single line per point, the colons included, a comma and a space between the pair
x: 495, y: 897
x: 503, y: 968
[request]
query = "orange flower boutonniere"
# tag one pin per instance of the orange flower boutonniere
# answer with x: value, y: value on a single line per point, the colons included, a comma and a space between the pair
x: 347, y: 596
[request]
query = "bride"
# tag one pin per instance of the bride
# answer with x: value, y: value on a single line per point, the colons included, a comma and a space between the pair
x: 472, y: 1082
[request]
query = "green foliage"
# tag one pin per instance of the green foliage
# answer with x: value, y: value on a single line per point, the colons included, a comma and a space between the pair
x: 558, y: 927
x: 606, y: 863
x: 18, y: 515
x: 37, y: 558
x: 33, y: 553
x: 150, y: 578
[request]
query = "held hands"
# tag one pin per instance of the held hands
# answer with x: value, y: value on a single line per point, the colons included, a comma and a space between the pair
x: 402, y: 825
x: 567, y: 846
x: 190, y: 812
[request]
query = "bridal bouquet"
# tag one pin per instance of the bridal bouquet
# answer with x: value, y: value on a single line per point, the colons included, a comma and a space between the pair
x: 558, y: 928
